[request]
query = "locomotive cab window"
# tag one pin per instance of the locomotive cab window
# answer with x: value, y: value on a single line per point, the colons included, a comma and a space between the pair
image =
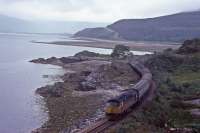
x: 112, y: 104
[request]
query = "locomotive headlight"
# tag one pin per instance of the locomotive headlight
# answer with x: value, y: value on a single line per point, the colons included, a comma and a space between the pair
x: 111, y: 107
x: 108, y: 108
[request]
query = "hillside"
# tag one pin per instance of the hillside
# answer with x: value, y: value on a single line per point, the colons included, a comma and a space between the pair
x: 102, y: 33
x: 176, y: 28
x: 11, y: 24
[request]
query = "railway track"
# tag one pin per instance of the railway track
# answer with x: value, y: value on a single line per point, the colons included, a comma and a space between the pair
x: 103, y: 124
x: 99, y: 126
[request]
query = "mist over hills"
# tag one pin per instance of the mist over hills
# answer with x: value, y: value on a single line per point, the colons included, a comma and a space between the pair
x: 11, y: 24
x: 176, y: 28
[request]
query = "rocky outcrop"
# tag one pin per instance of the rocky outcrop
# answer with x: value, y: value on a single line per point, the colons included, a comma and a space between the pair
x: 190, y: 47
x: 79, y: 57
x: 58, y: 61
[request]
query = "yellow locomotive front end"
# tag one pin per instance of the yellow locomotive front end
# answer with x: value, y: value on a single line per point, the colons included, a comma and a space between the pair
x: 112, y: 108
x: 119, y: 105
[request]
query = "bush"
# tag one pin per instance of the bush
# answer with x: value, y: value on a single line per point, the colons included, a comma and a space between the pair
x: 121, y: 51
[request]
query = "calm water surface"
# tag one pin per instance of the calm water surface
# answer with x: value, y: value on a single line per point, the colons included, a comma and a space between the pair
x: 20, y: 109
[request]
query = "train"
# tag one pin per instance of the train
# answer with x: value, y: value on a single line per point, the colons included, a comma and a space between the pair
x: 122, y: 103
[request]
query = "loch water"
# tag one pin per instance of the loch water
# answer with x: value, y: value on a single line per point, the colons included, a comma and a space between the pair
x: 21, y: 110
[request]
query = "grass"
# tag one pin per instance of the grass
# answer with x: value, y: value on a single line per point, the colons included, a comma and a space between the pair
x: 187, y: 77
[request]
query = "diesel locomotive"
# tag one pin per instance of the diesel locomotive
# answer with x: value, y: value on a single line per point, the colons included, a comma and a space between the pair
x: 122, y: 103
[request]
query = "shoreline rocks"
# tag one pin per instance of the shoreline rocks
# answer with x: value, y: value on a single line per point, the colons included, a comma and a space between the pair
x: 100, y: 76
x: 55, y: 90
x: 85, y: 71
x: 57, y: 61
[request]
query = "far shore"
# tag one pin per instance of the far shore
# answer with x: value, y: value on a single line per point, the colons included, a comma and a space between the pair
x: 110, y: 44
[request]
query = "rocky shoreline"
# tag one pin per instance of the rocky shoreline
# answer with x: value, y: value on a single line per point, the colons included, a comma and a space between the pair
x: 93, y: 78
x: 89, y: 76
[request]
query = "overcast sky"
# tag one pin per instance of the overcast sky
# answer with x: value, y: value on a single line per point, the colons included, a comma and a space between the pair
x: 94, y: 10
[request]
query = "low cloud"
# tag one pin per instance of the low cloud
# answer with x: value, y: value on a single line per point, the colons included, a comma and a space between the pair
x: 93, y: 10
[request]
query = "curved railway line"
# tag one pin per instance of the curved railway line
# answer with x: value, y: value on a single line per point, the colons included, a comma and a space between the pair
x: 139, y: 92
x: 99, y: 126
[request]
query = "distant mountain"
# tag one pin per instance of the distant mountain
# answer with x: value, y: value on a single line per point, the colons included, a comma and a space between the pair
x: 10, y: 24
x: 176, y: 28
